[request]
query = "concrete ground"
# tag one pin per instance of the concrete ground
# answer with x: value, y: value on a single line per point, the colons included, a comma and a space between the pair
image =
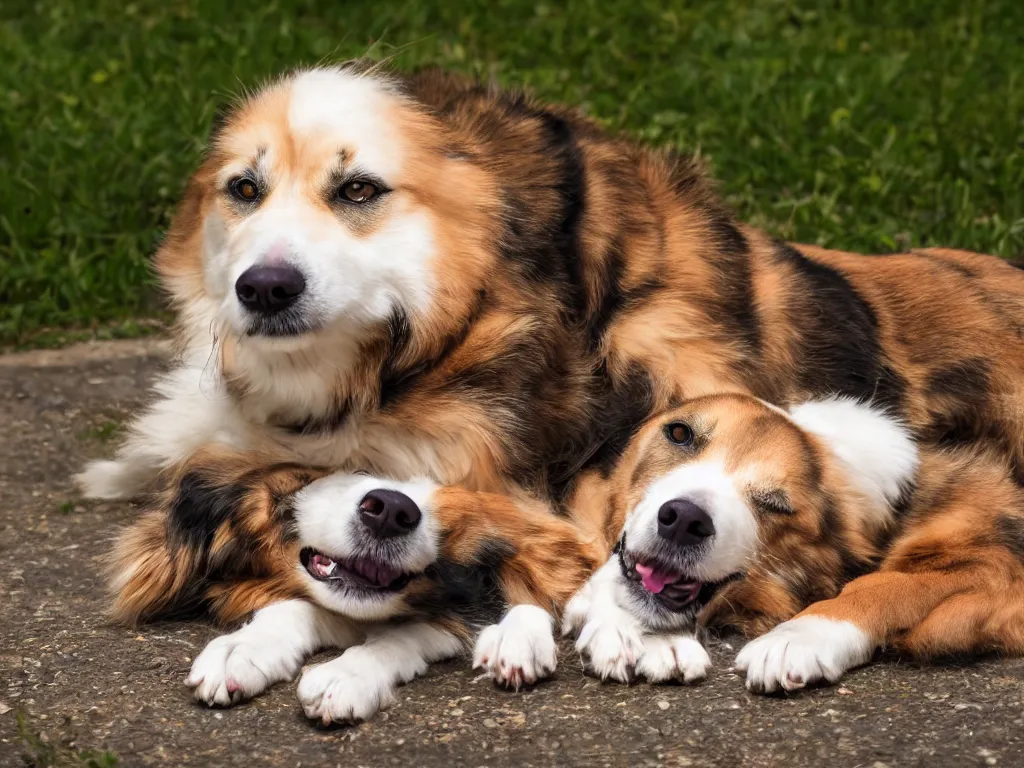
x: 83, y: 686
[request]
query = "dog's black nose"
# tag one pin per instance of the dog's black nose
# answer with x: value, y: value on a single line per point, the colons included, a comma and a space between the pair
x: 684, y: 523
x: 389, y: 513
x: 269, y: 289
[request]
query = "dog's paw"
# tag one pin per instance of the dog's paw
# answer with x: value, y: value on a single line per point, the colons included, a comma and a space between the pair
x: 348, y: 689
x: 236, y: 667
x: 611, y: 647
x: 520, y: 650
x: 803, y: 651
x: 673, y: 657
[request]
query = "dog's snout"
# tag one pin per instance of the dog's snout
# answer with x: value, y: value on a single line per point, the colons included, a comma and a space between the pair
x: 683, y: 523
x: 389, y: 513
x: 269, y: 289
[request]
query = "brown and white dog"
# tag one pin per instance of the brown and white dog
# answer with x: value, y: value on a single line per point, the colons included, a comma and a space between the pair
x: 824, y: 527
x: 395, y: 573
x: 421, y: 277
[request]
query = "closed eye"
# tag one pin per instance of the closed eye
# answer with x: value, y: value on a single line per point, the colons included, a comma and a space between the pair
x: 772, y: 501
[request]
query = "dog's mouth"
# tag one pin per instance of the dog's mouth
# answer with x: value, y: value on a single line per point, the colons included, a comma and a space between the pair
x: 286, y: 324
x: 367, y: 573
x: 669, y: 586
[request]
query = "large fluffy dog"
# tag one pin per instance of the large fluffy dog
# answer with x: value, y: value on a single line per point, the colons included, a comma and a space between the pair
x: 422, y: 277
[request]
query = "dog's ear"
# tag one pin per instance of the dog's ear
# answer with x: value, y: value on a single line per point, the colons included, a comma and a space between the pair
x: 876, y: 447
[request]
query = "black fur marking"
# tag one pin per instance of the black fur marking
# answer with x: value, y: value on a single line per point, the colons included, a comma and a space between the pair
x: 640, y: 293
x: 733, y: 305
x: 901, y: 509
x: 959, y: 400
x: 396, y: 382
x: 628, y: 404
x: 612, y: 299
x: 399, y: 334
x: 471, y: 592
x: 833, y: 537
x: 812, y: 461
x: 546, y: 255
x: 199, y: 508
x: 624, y: 405
x: 1011, y: 534
x: 831, y: 524
x: 1017, y: 472
x: 573, y: 199
x: 616, y: 298
x: 854, y: 568
x: 687, y: 175
x: 967, y: 381
x: 840, y: 352
x: 806, y: 587
x: 512, y: 371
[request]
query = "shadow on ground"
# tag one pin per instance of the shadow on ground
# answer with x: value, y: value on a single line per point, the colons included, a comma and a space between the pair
x: 83, y: 684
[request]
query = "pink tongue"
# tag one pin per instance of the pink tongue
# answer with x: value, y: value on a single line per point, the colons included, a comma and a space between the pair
x: 654, y: 581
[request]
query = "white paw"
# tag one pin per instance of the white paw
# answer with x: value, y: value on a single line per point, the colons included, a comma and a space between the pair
x: 109, y: 480
x: 611, y: 646
x: 673, y: 657
x: 348, y: 689
x: 520, y: 650
x: 803, y: 651
x: 234, y: 667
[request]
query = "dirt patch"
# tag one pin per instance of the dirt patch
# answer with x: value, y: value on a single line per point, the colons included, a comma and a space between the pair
x: 86, y: 685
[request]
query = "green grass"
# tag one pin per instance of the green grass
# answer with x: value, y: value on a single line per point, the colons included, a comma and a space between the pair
x: 861, y: 125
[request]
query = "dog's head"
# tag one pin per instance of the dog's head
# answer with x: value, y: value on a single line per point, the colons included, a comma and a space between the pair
x: 742, y: 510
x: 364, y: 546
x: 330, y: 202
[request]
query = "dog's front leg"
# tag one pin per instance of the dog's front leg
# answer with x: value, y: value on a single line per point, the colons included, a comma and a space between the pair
x: 269, y: 649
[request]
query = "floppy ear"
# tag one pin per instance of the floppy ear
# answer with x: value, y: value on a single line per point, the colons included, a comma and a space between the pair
x: 876, y: 447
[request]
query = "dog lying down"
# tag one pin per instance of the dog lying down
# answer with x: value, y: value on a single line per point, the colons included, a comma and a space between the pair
x: 820, y: 531
x: 396, y: 573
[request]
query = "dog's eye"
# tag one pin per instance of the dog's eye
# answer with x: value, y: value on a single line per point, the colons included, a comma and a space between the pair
x: 357, y: 191
x: 773, y: 502
x: 679, y: 433
x: 244, y: 189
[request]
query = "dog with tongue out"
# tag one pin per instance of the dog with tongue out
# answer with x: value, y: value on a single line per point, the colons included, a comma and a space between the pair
x: 733, y: 513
